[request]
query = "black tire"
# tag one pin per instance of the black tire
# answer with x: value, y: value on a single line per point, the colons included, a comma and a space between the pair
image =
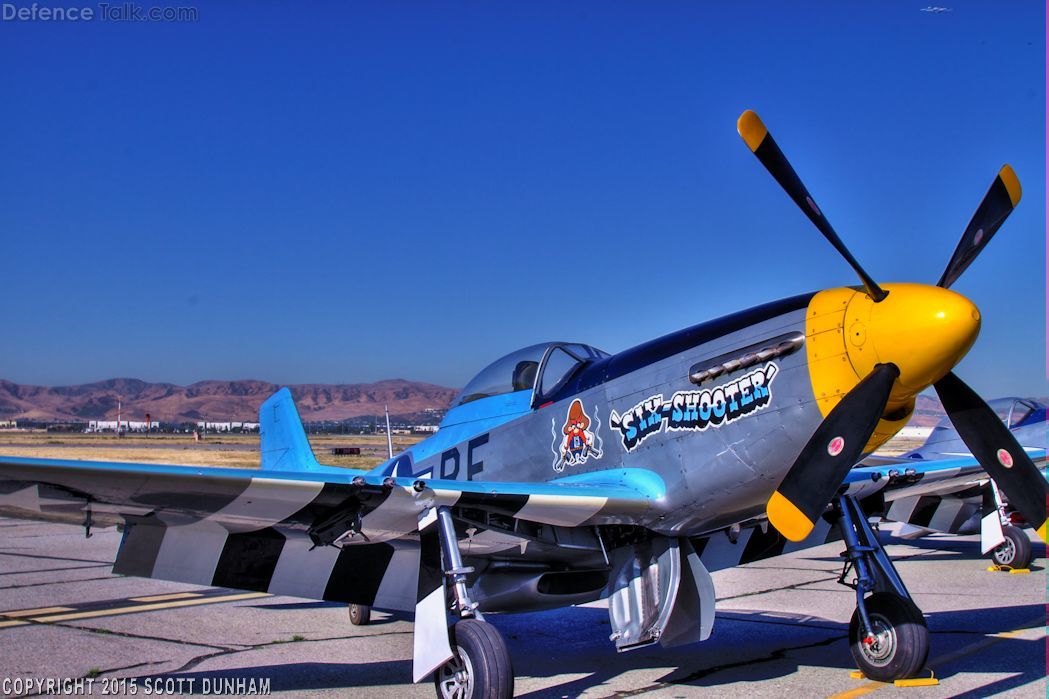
x: 360, y: 614
x: 901, y: 643
x: 480, y: 667
x: 1015, y: 552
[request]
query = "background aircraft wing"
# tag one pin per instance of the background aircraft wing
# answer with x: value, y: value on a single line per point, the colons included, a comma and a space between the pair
x: 922, y: 476
x: 941, y: 495
x: 875, y: 460
x: 317, y: 534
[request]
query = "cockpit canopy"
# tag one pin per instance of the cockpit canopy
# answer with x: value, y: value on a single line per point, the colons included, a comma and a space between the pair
x: 1018, y: 412
x: 549, y: 363
x: 1014, y: 412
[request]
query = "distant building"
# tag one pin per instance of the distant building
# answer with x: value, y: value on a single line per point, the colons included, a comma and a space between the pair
x: 8, y: 424
x: 424, y: 428
x: 914, y: 432
x: 127, y: 425
x: 228, y: 426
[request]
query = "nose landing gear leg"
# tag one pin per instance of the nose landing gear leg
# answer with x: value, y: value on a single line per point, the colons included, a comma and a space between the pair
x: 887, y: 634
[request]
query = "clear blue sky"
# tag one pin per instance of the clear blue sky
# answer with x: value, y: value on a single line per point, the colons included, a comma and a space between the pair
x: 345, y: 192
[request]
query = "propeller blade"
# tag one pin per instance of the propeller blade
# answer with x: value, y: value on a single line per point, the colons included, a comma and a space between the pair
x: 831, y: 451
x: 761, y: 143
x: 997, y: 204
x: 997, y: 450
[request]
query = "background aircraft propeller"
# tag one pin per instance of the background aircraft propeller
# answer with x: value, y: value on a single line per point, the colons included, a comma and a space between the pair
x: 838, y: 443
x: 832, y: 450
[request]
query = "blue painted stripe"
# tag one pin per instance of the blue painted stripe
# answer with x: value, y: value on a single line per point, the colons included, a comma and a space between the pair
x: 616, y: 484
x: 500, y: 408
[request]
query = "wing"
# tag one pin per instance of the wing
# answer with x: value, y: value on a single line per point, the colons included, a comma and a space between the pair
x: 317, y: 534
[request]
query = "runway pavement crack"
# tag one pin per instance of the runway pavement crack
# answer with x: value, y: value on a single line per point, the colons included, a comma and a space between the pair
x: 34, y: 536
x: 140, y: 637
x: 795, y: 586
x: 224, y: 652
x: 64, y: 559
x: 54, y: 582
x: 55, y: 570
x: 351, y: 638
x: 729, y: 615
x: 197, y: 660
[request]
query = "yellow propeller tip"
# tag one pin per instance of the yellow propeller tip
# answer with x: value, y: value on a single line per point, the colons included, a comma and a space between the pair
x: 1012, y: 184
x: 788, y: 519
x: 751, y: 129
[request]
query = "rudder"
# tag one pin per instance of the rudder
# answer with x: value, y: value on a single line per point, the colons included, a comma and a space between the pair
x: 282, y: 440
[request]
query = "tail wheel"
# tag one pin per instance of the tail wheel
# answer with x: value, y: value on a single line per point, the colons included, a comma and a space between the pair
x: 360, y: 614
x: 899, y: 643
x: 1015, y: 551
x: 480, y: 667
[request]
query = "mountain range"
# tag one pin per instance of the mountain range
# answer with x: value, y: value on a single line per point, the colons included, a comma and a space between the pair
x: 239, y: 400
x: 215, y: 400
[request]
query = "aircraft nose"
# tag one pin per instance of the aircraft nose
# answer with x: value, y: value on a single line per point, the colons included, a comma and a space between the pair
x: 923, y: 330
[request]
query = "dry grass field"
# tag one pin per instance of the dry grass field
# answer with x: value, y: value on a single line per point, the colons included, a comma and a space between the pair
x: 899, y: 445
x: 239, y: 451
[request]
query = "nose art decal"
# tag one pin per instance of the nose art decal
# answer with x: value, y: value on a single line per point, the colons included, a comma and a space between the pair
x: 696, y: 410
x: 575, y: 442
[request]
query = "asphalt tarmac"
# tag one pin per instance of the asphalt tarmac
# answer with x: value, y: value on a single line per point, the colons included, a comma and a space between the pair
x: 780, y: 631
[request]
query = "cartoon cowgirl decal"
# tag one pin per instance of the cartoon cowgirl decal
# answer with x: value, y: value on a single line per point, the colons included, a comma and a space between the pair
x: 578, y: 444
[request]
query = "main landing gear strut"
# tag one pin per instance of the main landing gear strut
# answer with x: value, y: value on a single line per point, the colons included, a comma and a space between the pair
x: 480, y: 664
x: 887, y: 634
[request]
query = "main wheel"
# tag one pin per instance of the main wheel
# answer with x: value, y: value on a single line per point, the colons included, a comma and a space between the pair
x: 480, y: 665
x: 899, y: 643
x: 360, y: 614
x: 1015, y: 551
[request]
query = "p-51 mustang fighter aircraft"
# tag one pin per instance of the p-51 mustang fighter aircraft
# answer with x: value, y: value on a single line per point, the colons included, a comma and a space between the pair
x: 563, y: 474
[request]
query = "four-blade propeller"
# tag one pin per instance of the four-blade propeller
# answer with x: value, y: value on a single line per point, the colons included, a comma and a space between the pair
x: 838, y: 443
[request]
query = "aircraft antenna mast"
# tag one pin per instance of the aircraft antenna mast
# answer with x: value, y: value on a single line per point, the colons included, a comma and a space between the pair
x: 389, y: 434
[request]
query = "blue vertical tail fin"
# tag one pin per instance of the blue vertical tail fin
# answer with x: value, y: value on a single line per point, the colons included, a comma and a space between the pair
x: 282, y: 440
